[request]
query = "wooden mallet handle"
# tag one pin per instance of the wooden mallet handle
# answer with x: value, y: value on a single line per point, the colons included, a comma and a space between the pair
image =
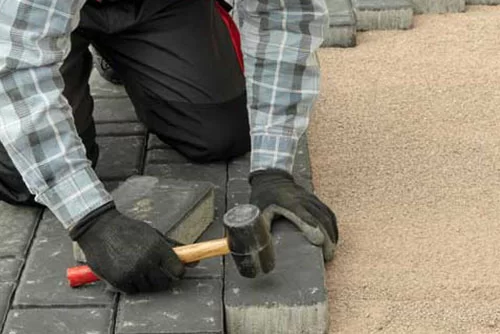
x: 81, y: 275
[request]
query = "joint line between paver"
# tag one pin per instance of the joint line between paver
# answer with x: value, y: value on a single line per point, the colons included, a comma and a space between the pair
x: 31, y: 238
x: 144, y: 153
x: 114, y: 314
x: 59, y: 306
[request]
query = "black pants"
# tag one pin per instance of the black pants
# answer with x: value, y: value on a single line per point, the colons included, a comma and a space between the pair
x: 179, y: 67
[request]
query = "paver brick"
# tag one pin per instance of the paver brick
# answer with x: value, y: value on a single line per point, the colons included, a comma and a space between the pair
x: 180, y: 209
x: 165, y: 156
x: 114, y: 110
x: 6, y: 290
x: 292, y: 299
x: 10, y: 269
x: 189, y: 306
x: 438, y: 6
x: 383, y: 14
x: 214, y: 173
x: 120, y: 129
x: 342, y: 28
x: 120, y: 157
x: 43, y: 281
x: 17, y: 225
x: 59, y: 321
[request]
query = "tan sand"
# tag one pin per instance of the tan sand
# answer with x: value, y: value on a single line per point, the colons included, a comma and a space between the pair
x: 405, y: 146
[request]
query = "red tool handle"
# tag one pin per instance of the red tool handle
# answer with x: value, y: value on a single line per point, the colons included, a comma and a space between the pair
x: 80, y: 275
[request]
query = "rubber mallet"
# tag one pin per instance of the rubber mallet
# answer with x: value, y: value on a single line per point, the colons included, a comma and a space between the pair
x: 248, y: 239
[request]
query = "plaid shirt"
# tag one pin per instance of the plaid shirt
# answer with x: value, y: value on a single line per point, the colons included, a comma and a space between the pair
x: 36, y: 124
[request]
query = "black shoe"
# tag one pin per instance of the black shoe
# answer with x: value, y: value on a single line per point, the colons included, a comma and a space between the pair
x: 104, y: 69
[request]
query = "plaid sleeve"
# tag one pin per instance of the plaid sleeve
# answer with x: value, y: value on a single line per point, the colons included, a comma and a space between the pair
x: 279, y: 41
x: 36, y: 122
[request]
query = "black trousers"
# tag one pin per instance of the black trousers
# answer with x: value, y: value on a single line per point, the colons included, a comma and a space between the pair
x: 179, y: 67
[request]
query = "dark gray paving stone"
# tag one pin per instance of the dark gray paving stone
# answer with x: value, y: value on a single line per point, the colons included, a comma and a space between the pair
x: 214, y: 173
x: 438, y: 6
x: 17, y: 225
x: 342, y: 29
x: 120, y: 129
x: 120, y: 157
x: 10, y: 269
x: 292, y: 299
x: 102, y: 88
x: 165, y: 156
x: 59, y: 321
x: 43, y: 282
x: 209, y: 268
x: 114, y: 110
x: 181, y: 209
x: 6, y: 290
x: 483, y: 2
x: 190, y: 306
x: 383, y: 14
x: 382, y: 4
x: 234, y: 199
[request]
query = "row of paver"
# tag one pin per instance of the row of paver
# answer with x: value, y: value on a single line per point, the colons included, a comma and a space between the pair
x: 349, y: 16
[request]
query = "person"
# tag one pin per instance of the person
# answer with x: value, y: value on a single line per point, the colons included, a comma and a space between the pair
x: 189, y: 85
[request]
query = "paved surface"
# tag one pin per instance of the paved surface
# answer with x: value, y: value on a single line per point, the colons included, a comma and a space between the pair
x: 405, y: 146
x: 35, y: 252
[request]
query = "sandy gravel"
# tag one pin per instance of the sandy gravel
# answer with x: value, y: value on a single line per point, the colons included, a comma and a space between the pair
x: 405, y: 146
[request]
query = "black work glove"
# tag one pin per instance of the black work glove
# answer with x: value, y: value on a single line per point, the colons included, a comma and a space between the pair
x: 128, y: 254
x: 276, y: 194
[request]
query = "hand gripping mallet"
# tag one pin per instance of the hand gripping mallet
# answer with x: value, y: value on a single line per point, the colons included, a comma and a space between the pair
x: 248, y: 239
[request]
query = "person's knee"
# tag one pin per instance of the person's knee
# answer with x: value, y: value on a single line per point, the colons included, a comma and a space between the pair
x: 225, y: 134
x: 220, y: 145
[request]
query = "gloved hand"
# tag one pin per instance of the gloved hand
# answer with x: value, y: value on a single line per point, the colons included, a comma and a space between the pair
x: 275, y: 193
x: 128, y: 254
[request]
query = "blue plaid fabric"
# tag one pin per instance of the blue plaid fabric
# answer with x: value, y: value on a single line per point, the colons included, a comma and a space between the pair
x: 36, y: 123
x: 279, y: 40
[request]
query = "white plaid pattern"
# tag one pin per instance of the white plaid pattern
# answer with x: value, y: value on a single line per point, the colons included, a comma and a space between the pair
x: 279, y: 43
x: 36, y: 123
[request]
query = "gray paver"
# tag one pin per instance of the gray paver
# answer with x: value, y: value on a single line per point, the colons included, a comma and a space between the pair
x: 43, y: 281
x: 292, y: 299
x: 482, y: 2
x: 120, y: 129
x: 342, y: 29
x: 58, y: 321
x: 10, y: 269
x: 17, y: 224
x: 120, y: 157
x: 180, y: 209
x: 438, y: 6
x: 214, y: 173
x: 5, y: 294
x: 383, y: 14
x: 190, y: 306
x: 163, y: 156
x: 114, y: 110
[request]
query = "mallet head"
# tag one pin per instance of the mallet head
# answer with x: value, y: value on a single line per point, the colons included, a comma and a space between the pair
x: 249, y: 240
